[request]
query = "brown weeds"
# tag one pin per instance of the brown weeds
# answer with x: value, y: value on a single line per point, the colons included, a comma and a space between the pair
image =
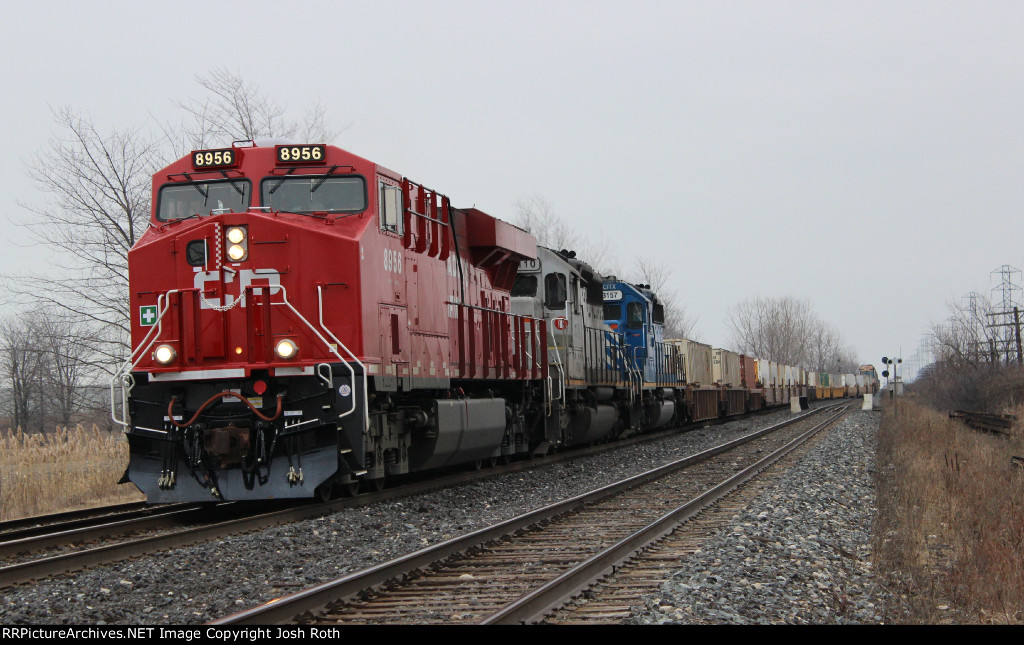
x: 63, y: 470
x: 949, y: 536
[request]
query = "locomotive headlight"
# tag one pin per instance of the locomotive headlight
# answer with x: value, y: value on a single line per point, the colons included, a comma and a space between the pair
x: 236, y: 234
x: 164, y: 354
x: 237, y: 243
x: 236, y: 252
x: 286, y: 349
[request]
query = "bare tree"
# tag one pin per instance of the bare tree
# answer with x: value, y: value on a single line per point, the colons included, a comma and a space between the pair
x: 98, y: 205
x: 776, y: 329
x: 538, y: 216
x: 233, y: 109
x: 24, y: 370
x: 67, y: 353
x: 967, y: 339
x: 658, y: 275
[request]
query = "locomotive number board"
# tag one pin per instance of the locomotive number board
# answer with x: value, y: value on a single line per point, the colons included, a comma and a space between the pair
x: 306, y: 153
x: 214, y: 158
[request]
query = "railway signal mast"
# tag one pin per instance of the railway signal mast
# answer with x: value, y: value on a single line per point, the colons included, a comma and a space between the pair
x: 893, y: 393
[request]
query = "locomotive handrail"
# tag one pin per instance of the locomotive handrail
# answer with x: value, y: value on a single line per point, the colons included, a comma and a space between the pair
x: 320, y: 301
x: 561, y: 373
x: 134, y: 358
x: 329, y: 379
x: 366, y: 400
x: 631, y: 373
x: 639, y: 371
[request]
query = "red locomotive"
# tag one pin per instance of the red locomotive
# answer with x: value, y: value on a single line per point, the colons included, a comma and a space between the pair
x: 304, y: 320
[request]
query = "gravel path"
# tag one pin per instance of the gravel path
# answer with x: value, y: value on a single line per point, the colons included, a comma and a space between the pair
x: 196, y: 584
x: 800, y: 553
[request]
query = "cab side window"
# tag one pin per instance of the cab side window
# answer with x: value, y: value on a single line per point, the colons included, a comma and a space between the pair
x: 554, y: 291
x: 634, y: 315
x: 390, y: 205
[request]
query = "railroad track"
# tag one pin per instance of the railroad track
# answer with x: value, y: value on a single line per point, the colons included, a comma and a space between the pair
x: 610, y: 601
x: 35, y: 548
x: 35, y: 552
x: 517, y: 570
x: 994, y: 423
x: 24, y: 526
x: 31, y: 533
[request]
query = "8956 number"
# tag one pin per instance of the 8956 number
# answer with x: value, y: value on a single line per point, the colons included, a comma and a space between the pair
x: 293, y: 154
x: 208, y: 158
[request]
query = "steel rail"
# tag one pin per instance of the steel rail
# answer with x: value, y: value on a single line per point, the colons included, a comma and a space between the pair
x: 534, y: 606
x: 21, y: 523
x: 76, y: 526
x: 66, y: 562
x: 286, y: 608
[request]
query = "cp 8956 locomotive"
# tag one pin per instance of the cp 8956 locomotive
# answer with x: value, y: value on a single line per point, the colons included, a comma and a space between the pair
x: 305, y: 320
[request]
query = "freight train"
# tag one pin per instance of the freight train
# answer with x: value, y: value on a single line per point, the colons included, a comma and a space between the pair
x: 307, y: 323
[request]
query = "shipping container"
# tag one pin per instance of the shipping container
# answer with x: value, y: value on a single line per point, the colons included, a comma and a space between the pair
x: 725, y: 367
x: 764, y: 373
x: 748, y: 372
x: 764, y: 379
x: 696, y: 359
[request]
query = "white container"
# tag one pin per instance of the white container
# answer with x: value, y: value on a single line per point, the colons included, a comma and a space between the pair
x: 725, y: 367
x: 697, y: 359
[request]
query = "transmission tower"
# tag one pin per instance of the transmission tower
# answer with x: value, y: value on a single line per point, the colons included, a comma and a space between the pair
x: 1006, y: 317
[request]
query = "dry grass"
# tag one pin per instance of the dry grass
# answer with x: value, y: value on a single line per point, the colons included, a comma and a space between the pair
x: 950, y: 530
x: 63, y: 470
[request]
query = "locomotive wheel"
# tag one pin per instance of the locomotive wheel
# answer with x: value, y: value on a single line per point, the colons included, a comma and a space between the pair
x: 478, y: 464
x: 349, y: 489
x: 492, y: 462
x: 375, y: 485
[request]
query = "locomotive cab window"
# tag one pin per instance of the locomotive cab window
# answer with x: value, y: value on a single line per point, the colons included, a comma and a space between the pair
x: 555, y: 292
x: 180, y: 200
x: 525, y: 286
x: 390, y: 208
x: 195, y: 253
x: 634, y: 315
x: 659, y: 314
x: 613, y: 311
x: 314, y: 194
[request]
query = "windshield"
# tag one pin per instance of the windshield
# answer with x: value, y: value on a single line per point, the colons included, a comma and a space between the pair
x: 199, y: 198
x: 314, y: 194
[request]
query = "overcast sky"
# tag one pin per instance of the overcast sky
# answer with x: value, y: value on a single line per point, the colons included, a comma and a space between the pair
x: 864, y: 155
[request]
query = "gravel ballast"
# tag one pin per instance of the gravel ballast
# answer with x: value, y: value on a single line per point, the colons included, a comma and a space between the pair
x: 799, y: 554
x: 210, y: 580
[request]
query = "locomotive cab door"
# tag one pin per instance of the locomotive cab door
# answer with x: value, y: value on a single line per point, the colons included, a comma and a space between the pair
x: 394, y: 347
